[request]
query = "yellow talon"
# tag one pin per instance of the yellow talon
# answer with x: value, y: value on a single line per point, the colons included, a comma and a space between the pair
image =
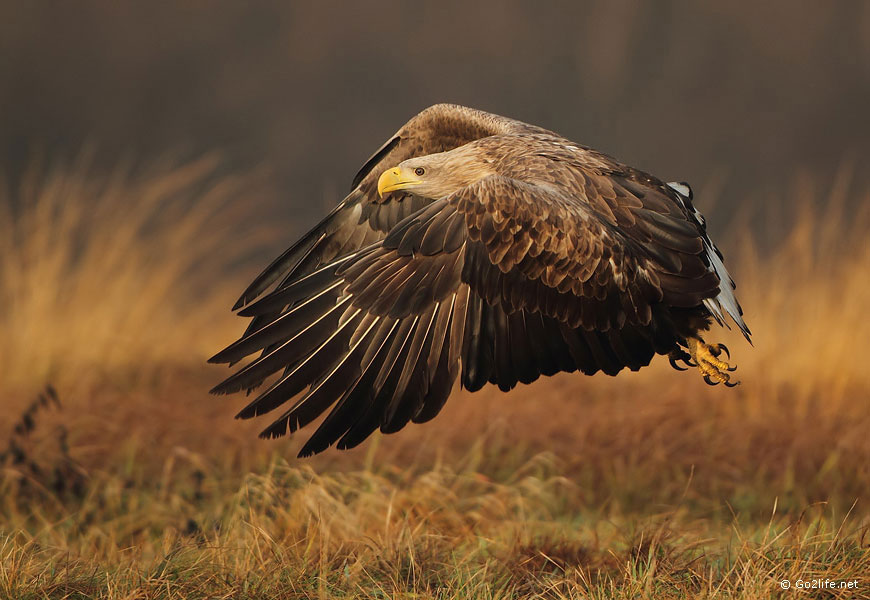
x: 706, y: 358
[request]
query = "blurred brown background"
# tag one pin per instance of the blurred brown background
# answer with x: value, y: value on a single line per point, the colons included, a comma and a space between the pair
x: 734, y: 96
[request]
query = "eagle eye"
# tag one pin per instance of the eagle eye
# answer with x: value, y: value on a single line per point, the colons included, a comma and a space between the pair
x: 419, y: 171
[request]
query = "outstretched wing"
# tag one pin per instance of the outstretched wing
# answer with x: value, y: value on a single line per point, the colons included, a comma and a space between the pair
x: 505, y: 280
x: 362, y: 217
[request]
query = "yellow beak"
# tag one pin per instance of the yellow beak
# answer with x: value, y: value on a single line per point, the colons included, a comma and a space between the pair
x: 395, y: 179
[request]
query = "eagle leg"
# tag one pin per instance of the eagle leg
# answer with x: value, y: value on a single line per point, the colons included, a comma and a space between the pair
x: 705, y: 356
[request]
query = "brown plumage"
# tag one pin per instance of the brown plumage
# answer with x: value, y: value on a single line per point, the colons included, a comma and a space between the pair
x: 477, y: 244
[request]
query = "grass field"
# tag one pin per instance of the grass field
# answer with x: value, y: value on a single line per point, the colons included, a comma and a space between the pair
x: 124, y: 479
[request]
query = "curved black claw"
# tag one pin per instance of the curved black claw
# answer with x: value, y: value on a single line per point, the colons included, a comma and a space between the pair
x: 731, y: 369
x: 723, y: 347
x: 709, y: 381
x: 674, y: 364
x: 691, y: 363
x: 732, y: 383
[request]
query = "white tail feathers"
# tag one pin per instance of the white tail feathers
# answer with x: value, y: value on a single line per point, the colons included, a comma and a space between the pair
x: 725, y: 301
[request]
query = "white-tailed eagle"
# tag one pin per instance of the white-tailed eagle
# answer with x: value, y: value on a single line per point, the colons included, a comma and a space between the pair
x: 479, y: 247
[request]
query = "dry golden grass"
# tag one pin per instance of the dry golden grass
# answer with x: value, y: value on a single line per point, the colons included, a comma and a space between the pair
x: 118, y: 272
x: 139, y: 485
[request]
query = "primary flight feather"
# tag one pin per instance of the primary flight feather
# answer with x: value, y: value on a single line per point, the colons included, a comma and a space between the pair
x: 479, y: 247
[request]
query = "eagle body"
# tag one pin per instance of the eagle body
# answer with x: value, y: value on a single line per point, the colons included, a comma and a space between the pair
x: 476, y: 247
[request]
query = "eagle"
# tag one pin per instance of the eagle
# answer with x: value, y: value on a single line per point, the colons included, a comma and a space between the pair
x: 478, y: 247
